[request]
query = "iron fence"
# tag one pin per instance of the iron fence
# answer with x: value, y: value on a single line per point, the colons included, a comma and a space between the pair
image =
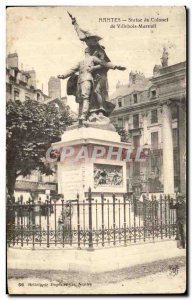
x: 90, y: 223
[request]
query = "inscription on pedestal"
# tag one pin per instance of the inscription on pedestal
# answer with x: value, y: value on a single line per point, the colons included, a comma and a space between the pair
x: 70, y: 179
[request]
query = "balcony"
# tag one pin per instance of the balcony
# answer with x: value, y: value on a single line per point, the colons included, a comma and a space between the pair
x: 135, y: 128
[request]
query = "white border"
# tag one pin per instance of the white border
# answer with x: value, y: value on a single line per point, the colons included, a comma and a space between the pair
x: 4, y: 3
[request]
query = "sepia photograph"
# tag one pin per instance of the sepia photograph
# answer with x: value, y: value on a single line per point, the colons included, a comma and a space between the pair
x: 96, y: 142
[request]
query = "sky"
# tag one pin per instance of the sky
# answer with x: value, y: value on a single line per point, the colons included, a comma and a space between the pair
x: 45, y: 39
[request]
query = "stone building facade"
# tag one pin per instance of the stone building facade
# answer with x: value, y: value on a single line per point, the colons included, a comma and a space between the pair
x: 21, y: 85
x: 153, y: 112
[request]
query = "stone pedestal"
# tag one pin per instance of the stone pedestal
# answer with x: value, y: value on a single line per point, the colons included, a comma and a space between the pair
x: 91, y: 157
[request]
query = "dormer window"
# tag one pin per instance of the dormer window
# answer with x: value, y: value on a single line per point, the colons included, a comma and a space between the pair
x: 134, y: 98
x: 38, y: 97
x: 16, y: 95
x: 120, y: 102
x: 153, y: 94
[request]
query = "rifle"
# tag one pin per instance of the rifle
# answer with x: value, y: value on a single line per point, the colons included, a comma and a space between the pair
x: 98, y: 45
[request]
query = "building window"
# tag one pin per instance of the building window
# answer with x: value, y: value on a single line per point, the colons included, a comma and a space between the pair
x: 176, y: 162
x: 27, y: 97
x: 40, y: 177
x: 28, y: 177
x: 136, y: 164
x: 23, y: 78
x: 16, y: 95
x: 136, y: 141
x: 136, y: 168
x: 175, y: 137
x: 153, y: 94
x: 174, y: 112
x: 12, y: 72
x: 126, y: 99
x: 120, y: 102
x: 154, y: 140
x: 155, y: 165
x: 154, y: 116
x: 136, y: 121
x: 120, y: 122
x: 135, y: 98
x: 126, y: 123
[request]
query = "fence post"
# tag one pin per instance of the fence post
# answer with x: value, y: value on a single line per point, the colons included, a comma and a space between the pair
x: 124, y: 222
x: 134, y: 216
x: 33, y: 220
x: 90, y: 221
x: 47, y: 201
x: 70, y: 223
x: 165, y: 211
x: 78, y: 222
x: 169, y: 215
x: 55, y: 219
x: 102, y: 219
x: 153, y: 216
x: 144, y: 218
x: 114, y: 225
x: 161, y: 216
x: 28, y: 220
x: 21, y: 221
x: 156, y: 217
x: 62, y: 220
x: 40, y: 211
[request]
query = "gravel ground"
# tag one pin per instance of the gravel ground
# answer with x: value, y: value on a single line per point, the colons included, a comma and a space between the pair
x: 152, y: 278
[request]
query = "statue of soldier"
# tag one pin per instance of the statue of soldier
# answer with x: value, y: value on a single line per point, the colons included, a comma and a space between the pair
x: 99, y: 101
x: 85, y: 81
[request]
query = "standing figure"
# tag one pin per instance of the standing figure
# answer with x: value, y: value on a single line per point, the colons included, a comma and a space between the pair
x: 180, y: 207
x: 85, y: 81
x: 99, y: 101
x: 64, y: 221
x: 164, y: 58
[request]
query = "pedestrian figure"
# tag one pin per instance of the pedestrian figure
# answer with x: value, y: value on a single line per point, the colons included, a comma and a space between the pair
x: 180, y: 207
x: 64, y: 222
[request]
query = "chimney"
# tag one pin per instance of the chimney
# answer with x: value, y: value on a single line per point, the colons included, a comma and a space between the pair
x: 32, y: 79
x: 12, y: 60
x: 54, y: 87
x: 136, y: 78
x: 118, y: 84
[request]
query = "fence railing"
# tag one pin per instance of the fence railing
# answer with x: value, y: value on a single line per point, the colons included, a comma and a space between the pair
x: 91, y: 223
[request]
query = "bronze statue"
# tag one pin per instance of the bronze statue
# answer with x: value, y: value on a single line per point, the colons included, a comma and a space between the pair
x: 100, y: 96
x: 90, y: 87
